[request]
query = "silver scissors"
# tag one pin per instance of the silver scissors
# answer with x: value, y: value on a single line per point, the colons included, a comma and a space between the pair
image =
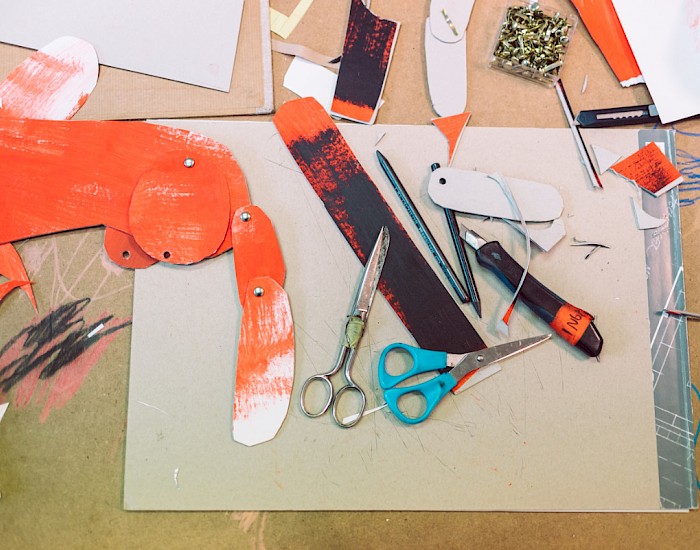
x: 351, y: 338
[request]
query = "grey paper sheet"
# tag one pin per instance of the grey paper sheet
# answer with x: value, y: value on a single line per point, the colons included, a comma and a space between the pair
x: 189, y: 42
x: 551, y: 431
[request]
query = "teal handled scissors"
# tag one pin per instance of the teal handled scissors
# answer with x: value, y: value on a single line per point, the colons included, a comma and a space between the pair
x: 351, y: 338
x: 450, y: 368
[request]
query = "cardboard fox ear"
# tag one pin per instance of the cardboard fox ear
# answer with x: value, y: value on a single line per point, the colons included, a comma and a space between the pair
x: 179, y: 211
x: 53, y: 83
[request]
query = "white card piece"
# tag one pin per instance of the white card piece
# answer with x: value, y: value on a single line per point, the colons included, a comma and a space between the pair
x: 473, y: 192
x: 552, y: 430
x: 179, y: 40
x: 604, y: 158
x: 643, y: 219
x: 307, y: 79
x: 449, y: 19
x: 3, y: 409
x: 665, y: 40
x: 544, y: 237
x: 446, y: 67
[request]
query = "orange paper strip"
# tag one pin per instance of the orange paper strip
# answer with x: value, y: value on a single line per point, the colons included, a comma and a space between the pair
x: 602, y: 23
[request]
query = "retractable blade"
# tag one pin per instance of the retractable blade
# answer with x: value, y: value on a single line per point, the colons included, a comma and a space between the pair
x: 573, y: 324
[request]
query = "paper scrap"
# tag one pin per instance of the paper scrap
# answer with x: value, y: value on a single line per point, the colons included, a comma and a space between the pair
x: 3, y: 409
x: 452, y: 127
x: 650, y: 169
x: 643, y: 219
x: 283, y: 25
x: 298, y: 50
x: 604, y: 158
x: 307, y: 79
x: 544, y: 237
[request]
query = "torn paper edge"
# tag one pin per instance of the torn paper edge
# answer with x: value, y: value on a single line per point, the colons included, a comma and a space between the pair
x: 604, y: 158
x: 643, y: 219
x: 545, y: 238
x: 308, y: 79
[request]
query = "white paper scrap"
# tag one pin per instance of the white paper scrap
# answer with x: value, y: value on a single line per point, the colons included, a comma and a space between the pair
x: 307, y: 79
x: 604, y: 158
x: 3, y: 408
x: 643, y: 219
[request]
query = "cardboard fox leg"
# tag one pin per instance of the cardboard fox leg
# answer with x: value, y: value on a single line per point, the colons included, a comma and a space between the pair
x: 265, y: 366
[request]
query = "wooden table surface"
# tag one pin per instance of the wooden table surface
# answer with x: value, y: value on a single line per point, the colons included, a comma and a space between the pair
x: 61, y: 478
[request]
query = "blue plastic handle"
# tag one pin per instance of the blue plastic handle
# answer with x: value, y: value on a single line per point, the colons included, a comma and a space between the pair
x: 423, y: 361
x: 431, y: 391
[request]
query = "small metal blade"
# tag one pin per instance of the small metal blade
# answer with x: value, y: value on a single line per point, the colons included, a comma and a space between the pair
x: 482, y: 358
x: 371, y: 275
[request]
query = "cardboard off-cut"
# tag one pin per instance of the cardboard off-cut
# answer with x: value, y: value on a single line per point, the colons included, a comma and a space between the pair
x: 122, y: 94
x: 552, y: 431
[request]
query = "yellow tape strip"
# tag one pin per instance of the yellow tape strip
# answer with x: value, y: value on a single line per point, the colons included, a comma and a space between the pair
x: 284, y: 25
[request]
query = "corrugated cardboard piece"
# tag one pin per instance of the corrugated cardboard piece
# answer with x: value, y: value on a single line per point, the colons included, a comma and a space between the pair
x: 125, y: 95
x: 553, y: 430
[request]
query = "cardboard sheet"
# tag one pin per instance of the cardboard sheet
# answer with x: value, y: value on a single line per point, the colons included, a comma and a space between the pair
x: 551, y: 431
x: 122, y: 94
x: 163, y: 38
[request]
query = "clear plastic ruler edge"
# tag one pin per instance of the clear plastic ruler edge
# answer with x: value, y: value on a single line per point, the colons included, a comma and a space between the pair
x: 669, y: 343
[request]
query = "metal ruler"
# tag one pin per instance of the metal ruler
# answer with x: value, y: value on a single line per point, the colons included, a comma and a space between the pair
x: 669, y: 343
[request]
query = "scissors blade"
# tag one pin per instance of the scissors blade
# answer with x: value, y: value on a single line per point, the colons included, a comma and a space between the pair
x: 370, y: 277
x: 482, y: 358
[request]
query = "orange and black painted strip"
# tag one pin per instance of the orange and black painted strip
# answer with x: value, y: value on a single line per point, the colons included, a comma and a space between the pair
x: 359, y: 210
x: 367, y: 51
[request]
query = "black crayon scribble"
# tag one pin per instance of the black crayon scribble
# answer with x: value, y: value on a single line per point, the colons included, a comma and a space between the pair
x: 53, y: 342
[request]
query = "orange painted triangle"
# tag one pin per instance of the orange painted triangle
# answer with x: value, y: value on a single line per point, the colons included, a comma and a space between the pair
x: 452, y: 127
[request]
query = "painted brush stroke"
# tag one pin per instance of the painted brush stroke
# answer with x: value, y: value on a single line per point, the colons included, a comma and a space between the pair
x: 367, y: 51
x: 50, y: 358
x: 53, y: 83
x: 265, y: 366
x: 57, y: 177
x: 359, y: 210
x: 650, y: 169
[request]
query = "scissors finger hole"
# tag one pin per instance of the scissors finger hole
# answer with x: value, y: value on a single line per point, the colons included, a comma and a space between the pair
x: 398, y: 362
x: 316, y: 396
x: 348, y: 406
x: 412, y: 405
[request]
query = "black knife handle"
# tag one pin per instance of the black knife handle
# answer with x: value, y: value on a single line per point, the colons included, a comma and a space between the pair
x: 618, y: 116
x: 571, y: 323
